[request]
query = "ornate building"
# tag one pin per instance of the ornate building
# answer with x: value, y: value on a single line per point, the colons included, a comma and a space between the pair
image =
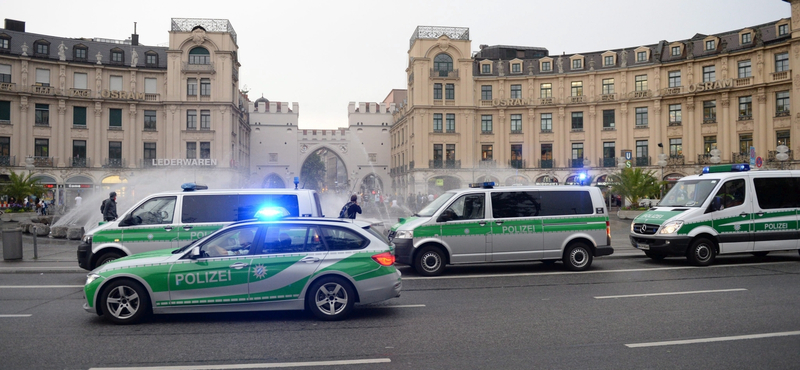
x: 518, y: 115
x: 89, y: 113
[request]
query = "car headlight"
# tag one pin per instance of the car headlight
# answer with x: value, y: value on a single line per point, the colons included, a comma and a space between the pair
x: 671, y: 227
x: 87, y: 238
x: 631, y: 226
x: 404, y: 234
x: 90, y: 277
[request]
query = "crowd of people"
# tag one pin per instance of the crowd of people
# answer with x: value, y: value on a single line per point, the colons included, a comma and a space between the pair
x: 377, y: 204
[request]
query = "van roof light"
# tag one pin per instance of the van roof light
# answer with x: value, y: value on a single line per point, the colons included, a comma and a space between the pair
x: 271, y: 213
x: 484, y: 185
x: 739, y: 167
x: 190, y: 186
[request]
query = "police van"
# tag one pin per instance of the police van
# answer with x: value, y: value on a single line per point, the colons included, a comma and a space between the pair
x: 726, y: 209
x: 174, y: 219
x: 485, y: 223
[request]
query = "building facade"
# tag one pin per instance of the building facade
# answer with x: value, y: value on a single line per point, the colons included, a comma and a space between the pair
x: 518, y: 115
x: 84, y: 114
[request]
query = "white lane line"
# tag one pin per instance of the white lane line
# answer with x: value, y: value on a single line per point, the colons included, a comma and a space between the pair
x: 254, y: 366
x: 20, y: 315
x: 589, y: 272
x: 399, y: 306
x: 717, y: 339
x: 670, y: 293
x: 39, y: 286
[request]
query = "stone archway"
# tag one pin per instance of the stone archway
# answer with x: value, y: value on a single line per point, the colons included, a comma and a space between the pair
x: 517, y: 180
x: 370, y: 183
x: 440, y: 184
x: 274, y: 181
x: 324, y: 169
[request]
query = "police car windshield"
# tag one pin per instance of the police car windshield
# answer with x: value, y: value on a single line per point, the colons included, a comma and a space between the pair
x: 430, y: 209
x: 690, y: 193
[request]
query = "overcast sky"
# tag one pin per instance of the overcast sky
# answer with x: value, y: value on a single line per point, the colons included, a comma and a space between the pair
x: 324, y: 54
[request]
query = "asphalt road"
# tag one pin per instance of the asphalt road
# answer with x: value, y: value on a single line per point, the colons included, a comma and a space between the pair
x: 625, y: 313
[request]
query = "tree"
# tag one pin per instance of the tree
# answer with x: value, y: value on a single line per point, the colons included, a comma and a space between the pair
x: 312, y: 174
x: 21, y: 186
x: 634, y: 183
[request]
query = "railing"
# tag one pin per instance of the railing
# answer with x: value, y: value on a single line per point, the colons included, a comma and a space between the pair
x: 114, y: 163
x: 607, y: 162
x: 677, y: 123
x: 445, y: 74
x: 672, y: 90
x: 198, y: 67
x: 608, y: 97
x: 43, y: 90
x: 547, y: 163
x: 8, y: 86
x: 439, y: 163
x: 516, y: 163
x: 80, y: 162
x: 577, y: 99
x: 152, y: 97
x: 772, y: 153
x: 546, y: 131
x: 641, y: 94
x: 80, y: 93
x: 546, y: 101
x: 675, y: 160
x: 576, y: 163
x: 710, y: 120
x: 744, y: 81
x: 43, y: 161
x: 8, y: 161
x: 779, y: 76
x: 745, y: 117
x: 641, y: 161
x: 487, y: 163
x: 704, y: 159
x: 146, y: 163
x: 783, y: 113
x: 740, y: 157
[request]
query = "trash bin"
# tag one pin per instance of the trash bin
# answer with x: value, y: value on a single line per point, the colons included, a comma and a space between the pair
x: 12, y: 244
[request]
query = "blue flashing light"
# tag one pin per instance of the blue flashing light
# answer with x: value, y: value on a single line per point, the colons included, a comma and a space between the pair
x: 190, y: 186
x: 582, y: 176
x: 484, y: 185
x: 296, y: 181
x: 271, y: 213
x: 739, y: 167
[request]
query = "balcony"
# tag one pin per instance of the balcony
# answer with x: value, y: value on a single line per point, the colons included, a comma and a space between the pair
x: 80, y: 93
x: 438, y: 163
x: 80, y: 162
x: 201, y: 68
x: 547, y: 163
x: 672, y: 90
x: 516, y: 163
x: 146, y: 163
x: 8, y: 86
x: 576, y: 163
x: 745, y: 117
x: 487, y: 163
x: 576, y: 99
x: 744, y: 81
x: 607, y: 161
x: 152, y: 97
x: 675, y: 160
x: 546, y: 101
x: 780, y: 76
x: 709, y: 120
x: 641, y: 94
x: 608, y: 97
x: 704, y: 159
x: 114, y: 163
x: 772, y: 153
x: 676, y: 123
x: 783, y: 113
x: 43, y: 90
x: 444, y: 74
x: 641, y: 161
x: 740, y: 157
x: 43, y: 161
x: 8, y: 161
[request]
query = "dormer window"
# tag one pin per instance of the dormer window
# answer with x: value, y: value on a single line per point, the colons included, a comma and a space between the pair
x: 41, y: 48
x: 608, y: 61
x: 676, y: 51
x: 641, y: 56
x: 117, y: 56
x: 747, y: 38
x: 80, y: 53
x: 199, y: 55
x: 577, y: 64
x: 5, y: 42
x: 151, y: 59
x: 516, y: 68
x: 486, y: 69
x: 711, y: 45
x: 546, y: 67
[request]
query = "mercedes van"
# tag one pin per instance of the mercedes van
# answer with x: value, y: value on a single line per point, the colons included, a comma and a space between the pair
x: 726, y: 209
x: 485, y: 223
x: 174, y: 219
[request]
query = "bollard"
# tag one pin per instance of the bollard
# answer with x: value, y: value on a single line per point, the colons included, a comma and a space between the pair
x: 35, y: 246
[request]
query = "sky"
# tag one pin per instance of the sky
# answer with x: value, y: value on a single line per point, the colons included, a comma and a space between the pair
x: 325, y: 54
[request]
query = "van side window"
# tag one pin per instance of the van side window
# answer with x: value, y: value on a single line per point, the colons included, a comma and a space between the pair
x: 209, y: 208
x: 732, y: 193
x: 507, y: 204
x: 154, y: 211
x: 561, y: 203
x: 468, y: 207
x: 777, y: 192
x: 339, y: 239
x: 249, y: 204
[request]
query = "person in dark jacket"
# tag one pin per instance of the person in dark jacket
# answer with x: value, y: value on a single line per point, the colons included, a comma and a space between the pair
x: 352, y: 207
x: 110, y: 207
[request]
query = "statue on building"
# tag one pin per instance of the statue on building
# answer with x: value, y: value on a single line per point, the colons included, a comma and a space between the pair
x: 591, y: 64
x: 560, y: 62
x: 99, y: 58
x: 624, y: 58
x: 24, y: 49
x: 134, y: 58
x: 62, y: 54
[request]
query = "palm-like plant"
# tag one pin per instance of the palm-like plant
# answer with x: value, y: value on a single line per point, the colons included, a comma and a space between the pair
x: 21, y: 186
x: 634, y: 183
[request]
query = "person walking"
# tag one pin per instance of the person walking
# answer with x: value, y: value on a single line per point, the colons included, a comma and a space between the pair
x: 109, y: 207
x: 78, y: 200
x: 350, y: 208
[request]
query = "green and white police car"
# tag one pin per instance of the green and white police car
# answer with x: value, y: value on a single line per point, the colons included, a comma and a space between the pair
x: 321, y: 265
x: 726, y: 209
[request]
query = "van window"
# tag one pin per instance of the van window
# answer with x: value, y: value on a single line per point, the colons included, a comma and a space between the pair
x: 688, y: 193
x: 560, y: 203
x: 732, y: 193
x: 468, y: 207
x: 339, y: 239
x: 509, y: 204
x: 209, y: 208
x: 154, y: 211
x: 777, y: 192
x: 249, y: 204
x: 291, y: 239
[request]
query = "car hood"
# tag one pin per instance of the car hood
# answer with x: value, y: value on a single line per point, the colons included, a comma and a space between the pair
x: 139, y: 259
x: 409, y: 223
x: 658, y: 216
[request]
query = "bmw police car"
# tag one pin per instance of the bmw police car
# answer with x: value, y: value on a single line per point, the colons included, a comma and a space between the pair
x: 321, y: 265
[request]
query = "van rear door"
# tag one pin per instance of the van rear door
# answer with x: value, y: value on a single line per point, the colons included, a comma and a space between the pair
x: 516, y: 226
x: 775, y: 211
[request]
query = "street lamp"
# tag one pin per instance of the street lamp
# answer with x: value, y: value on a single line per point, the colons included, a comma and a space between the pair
x: 783, y: 154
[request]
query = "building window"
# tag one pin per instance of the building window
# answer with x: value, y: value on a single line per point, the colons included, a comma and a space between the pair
x: 674, y: 78
x: 79, y: 116
x: 577, y: 154
x: 745, y: 142
x: 783, y: 30
x: 577, y: 64
x: 80, y: 53
x: 486, y: 92
x: 640, y: 83
x: 783, y: 138
x: 675, y: 147
x: 546, y: 67
x: 449, y: 91
x: 641, y: 56
x: 115, y: 118
x: 199, y: 55
x: 577, y: 88
x: 438, y: 153
x: 745, y: 107
x: 547, y: 155
x: 80, y: 80
x: 609, y: 154
x: 443, y: 63
x: 191, y: 150
x: 486, y: 124
x: 5, y: 42
x: 5, y: 73
x: 205, y: 87
x: 151, y: 59
x: 150, y: 86
x: 191, y: 119
x: 546, y: 91
x: 608, y: 86
x: 744, y: 69
x: 641, y: 116
x: 42, y: 114
x: 781, y: 62
x: 149, y: 153
x: 608, y: 119
x: 711, y: 44
x: 486, y: 152
x: 674, y: 114
x: 5, y: 112
x: 709, y: 74
x: 115, y: 83
x: 115, y: 154
x: 486, y: 68
x: 42, y: 77
x: 710, y: 111
x: 78, y: 153
x: 191, y: 86
x: 577, y: 121
x: 450, y: 155
x: 782, y: 103
x: 117, y: 56
x: 709, y: 143
x: 437, y: 91
x: 437, y: 122
x: 516, y: 123
x: 746, y: 38
x: 516, y: 156
x: 676, y: 51
x: 547, y: 122
x: 41, y: 148
x: 5, y: 151
x: 608, y: 61
x: 641, y: 149
x: 205, y: 150
x: 150, y: 120
x: 516, y: 68
x: 41, y: 48
x: 450, y: 123
x: 516, y: 91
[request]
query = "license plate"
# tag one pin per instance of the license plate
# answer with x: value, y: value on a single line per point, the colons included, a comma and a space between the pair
x: 644, y: 247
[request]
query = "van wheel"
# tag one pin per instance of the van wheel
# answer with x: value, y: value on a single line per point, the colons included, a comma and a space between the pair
x: 701, y: 253
x: 429, y: 262
x: 124, y: 302
x: 330, y: 298
x: 654, y: 255
x: 760, y: 254
x: 577, y: 257
x: 107, y: 257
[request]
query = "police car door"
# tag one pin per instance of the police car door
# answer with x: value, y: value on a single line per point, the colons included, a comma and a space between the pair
x: 775, y: 212
x: 516, y: 226
x: 287, y: 258
x: 734, y: 220
x: 465, y: 228
x: 150, y: 226
x: 221, y: 274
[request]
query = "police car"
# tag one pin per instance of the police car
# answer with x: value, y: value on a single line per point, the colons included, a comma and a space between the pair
x: 321, y: 265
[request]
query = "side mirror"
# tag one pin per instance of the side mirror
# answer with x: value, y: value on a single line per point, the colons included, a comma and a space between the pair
x: 125, y: 221
x: 195, y: 253
x: 716, y: 204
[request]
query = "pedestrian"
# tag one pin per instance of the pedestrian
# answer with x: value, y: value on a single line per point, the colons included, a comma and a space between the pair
x: 109, y: 207
x: 44, y: 207
x: 350, y: 208
x: 78, y: 200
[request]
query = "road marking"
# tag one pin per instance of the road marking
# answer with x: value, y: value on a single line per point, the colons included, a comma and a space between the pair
x: 254, y: 366
x: 39, y: 286
x: 21, y: 315
x: 717, y: 339
x: 399, y: 306
x: 670, y: 293
x: 589, y: 272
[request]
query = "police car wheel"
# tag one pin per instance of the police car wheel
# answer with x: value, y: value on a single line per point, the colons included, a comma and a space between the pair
x: 701, y: 253
x: 107, y: 257
x: 429, y: 262
x: 578, y: 257
x: 124, y: 302
x: 330, y: 298
x: 655, y: 256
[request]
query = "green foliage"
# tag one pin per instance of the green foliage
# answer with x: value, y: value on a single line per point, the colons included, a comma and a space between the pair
x: 21, y: 186
x: 634, y: 183
x: 312, y: 174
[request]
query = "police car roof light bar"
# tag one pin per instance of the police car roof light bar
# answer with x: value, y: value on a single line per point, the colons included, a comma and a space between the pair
x: 484, y: 185
x: 190, y: 186
x: 739, y: 167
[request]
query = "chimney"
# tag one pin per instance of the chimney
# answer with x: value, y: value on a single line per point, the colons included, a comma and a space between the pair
x: 134, y: 36
x: 13, y: 25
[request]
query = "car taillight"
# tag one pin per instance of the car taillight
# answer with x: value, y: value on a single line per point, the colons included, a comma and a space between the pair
x: 384, y: 259
x: 608, y: 232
